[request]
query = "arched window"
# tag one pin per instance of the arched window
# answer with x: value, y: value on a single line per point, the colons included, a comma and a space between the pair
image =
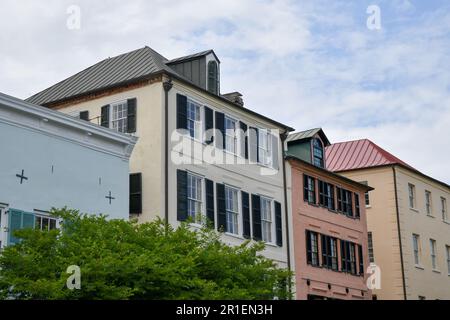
x: 318, y: 157
x: 213, y: 77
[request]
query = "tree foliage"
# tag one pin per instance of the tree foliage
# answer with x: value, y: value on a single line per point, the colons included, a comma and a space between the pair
x: 125, y: 260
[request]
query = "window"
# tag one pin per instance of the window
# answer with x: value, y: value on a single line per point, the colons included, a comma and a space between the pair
x: 312, y: 248
x: 444, y: 209
x: 361, y: 260
x: 318, y: 153
x: 433, y: 254
x: 329, y: 253
x: 417, y: 249
x: 447, y: 248
x: 309, y: 189
x: 213, y: 77
x: 120, y: 116
x: 412, y: 195
x: 230, y: 135
x: 266, y: 219
x: 44, y: 223
x: 366, y: 195
x: 370, y: 247
x: 357, y: 207
x: 345, y: 204
x: 265, y: 147
x: 428, y: 203
x: 194, y: 124
x: 232, y: 210
x: 195, y: 196
x: 326, y: 195
x: 348, y: 257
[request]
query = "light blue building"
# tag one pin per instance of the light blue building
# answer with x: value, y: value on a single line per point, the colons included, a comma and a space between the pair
x: 49, y: 159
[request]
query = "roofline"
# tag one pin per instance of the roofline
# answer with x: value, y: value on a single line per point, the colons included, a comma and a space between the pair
x: 191, y: 57
x: 401, y: 166
x: 172, y: 75
x: 334, y: 174
x: 62, y: 118
x: 319, y: 130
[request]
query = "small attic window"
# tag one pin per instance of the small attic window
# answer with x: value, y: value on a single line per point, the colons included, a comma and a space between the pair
x: 213, y: 77
x: 318, y: 157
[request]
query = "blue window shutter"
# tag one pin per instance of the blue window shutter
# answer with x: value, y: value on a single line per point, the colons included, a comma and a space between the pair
x: 27, y: 220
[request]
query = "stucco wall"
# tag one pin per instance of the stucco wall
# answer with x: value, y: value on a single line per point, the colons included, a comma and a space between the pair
x: 314, y: 218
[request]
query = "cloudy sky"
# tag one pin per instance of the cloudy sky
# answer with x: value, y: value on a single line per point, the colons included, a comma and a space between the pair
x: 305, y: 63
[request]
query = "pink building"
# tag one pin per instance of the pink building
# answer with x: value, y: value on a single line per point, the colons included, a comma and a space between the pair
x: 329, y: 224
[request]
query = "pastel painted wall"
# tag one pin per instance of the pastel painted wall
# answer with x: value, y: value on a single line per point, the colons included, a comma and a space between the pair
x: 317, y: 219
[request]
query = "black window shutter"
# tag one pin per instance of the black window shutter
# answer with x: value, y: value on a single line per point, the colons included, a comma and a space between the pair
x: 210, y: 201
x: 105, y: 116
x: 275, y: 153
x: 209, y: 125
x: 221, y: 208
x: 131, y: 117
x: 136, y: 193
x: 181, y: 112
x: 256, y: 212
x: 323, y: 243
x: 246, y: 215
x: 254, y: 143
x: 308, y: 247
x: 321, y: 193
x: 220, y: 128
x: 305, y: 187
x: 84, y: 115
x: 361, y: 260
x: 244, y: 140
x: 182, y: 209
x: 278, y: 224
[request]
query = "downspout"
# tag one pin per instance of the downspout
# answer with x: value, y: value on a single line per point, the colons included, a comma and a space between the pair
x: 167, y: 85
x: 283, y: 137
x: 399, y: 233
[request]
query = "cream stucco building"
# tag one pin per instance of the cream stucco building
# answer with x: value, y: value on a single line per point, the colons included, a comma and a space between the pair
x: 200, y: 153
x: 408, y: 221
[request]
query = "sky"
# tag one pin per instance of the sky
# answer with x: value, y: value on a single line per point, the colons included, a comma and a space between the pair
x: 304, y: 63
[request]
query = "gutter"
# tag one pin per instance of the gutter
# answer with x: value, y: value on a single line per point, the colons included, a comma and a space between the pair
x: 167, y: 87
x: 283, y: 137
x: 399, y: 233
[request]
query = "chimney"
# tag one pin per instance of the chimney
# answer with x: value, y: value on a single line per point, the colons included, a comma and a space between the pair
x: 234, y: 97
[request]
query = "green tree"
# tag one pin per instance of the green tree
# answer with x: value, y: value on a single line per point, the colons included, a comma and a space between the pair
x: 125, y: 260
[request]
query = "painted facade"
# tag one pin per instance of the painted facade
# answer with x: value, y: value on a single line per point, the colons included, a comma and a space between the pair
x: 408, y: 221
x: 50, y: 160
x: 328, y: 224
x: 241, y: 195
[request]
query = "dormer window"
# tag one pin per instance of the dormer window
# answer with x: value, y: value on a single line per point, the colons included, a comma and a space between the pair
x: 318, y: 157
x: 213, y: 77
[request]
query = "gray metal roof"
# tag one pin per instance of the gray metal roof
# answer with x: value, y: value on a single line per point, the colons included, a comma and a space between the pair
x: 298, y: 136
x: 109, y: 72
x: 193, y: 56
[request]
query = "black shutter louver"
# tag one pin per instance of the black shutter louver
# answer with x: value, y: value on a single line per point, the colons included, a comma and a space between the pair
x: 256, y: 212
x: 136, y: 193
x: 305, y: 188
x: 278, y: 224
x: 181, y: 112
x: 131, y: 117
x: 182, y: 203
x: 220, y: 130
x: 210, y: 202
x: 84, y: 115
x: 308, y: 247
x: 221, y: 208
x: 246, y: 215
x: 209, y: 125
x: 244, y: 140
x: 105, y: 116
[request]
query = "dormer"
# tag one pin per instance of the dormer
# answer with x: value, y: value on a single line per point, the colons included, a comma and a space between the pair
x: 202, y: 69
x: 309, y: 146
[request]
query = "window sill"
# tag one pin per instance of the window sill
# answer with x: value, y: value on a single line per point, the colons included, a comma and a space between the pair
x: 368, y: 206
x: 446, y: 222
x: 418, y: 266
x: 270, y: 244
x: 236, y: 236
x: 436, y: 271
x: 431, y: 216
x: 414, y: 209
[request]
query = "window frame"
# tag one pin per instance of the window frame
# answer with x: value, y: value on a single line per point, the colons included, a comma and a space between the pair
x: 307, y: 191
x: 321, y: 158
x: 268, y: 160
x: 198, y: 124
x: 447, y: 248
x: 330, y: 259
x: 234, y: 137
x: 444, y: 209
x: 112, y: 121
x: 433, y: 254
x: 45, y: 215
x: 198, y: 216
x: 412, y: 196
x: 327, y: 195
x: 265, y: 221
x: 417, y: 249
x: 311, y: 254
x: 234, y: 214
x: 370, y: 248
x: 428, y: 203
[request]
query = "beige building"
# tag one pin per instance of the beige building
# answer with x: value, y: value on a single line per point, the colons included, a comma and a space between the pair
x: 200, y: 153
x: 408, y: 221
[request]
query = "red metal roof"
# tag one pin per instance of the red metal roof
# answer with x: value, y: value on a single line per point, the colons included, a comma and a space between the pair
x: 358, y: 154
